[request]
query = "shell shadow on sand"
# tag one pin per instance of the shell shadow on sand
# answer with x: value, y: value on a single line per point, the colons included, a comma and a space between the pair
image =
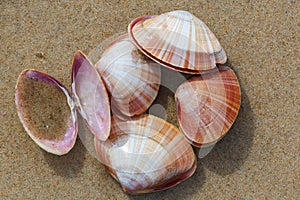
x: 185, y: 189
x: 229, y: 154
x: 68, y: 165
x: 164, y: 105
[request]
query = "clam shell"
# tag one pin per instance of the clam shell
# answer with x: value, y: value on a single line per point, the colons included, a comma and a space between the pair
x: 146, y: 154
x: 46, y: 111
x: 207, y: 106
x: 177, y: 40
x: 90, y: 96
x: 132, y: 79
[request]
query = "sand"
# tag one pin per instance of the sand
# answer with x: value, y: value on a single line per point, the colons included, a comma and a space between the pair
x: 257, y: 159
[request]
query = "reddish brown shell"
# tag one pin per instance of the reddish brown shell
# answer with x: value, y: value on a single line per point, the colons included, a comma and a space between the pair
x: 207, y: 106
x: 177, y: 40
x: 46, y: 111
x: 132, y: 79
x: 146, y: 154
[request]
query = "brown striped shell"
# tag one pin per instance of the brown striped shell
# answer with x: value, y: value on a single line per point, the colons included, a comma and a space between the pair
x: 177, y: 40
x: 146, y: 154
x: 131, y: 79
x: 46, y: 111
x: 207, y: 106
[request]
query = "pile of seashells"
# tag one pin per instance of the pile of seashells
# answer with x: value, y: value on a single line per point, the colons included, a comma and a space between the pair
x: 144, y: 153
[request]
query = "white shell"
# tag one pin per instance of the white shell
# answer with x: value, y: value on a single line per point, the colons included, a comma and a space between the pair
x: 177, y: 40
x: 146, y: 154
x: 131, y: 79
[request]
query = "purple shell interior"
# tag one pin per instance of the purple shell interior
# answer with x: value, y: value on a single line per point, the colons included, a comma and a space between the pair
x: 55, y: 146
x: 90, y: 96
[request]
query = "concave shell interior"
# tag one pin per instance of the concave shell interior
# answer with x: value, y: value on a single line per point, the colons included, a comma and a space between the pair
x: 90, y: 96
x: 46, y: 111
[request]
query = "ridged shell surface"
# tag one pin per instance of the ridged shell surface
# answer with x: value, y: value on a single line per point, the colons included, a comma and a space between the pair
x: 207, y: 106
x: 177, y: 40
x: 132, y: 79
x: 146, y: 154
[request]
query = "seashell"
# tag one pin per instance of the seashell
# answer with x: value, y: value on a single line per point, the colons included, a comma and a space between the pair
x: 50, y: 120
x: 47, y: 111
x: 132, y: 80
x: 207, y: 106
x: 177, y: 40
x: 90, y: 96
x: 146, y: 154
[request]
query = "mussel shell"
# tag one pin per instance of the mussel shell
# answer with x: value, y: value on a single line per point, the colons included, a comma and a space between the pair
x: 90, y: 96
x: 146, y: 154
x: 207, y: 106
x: 132, y: 80
x: 46, y: 111
x: 177, y: 40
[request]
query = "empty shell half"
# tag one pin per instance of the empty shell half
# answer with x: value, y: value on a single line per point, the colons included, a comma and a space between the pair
x: 132, y: 80
x: 90, y: 96
x: 207, y: 106
x: 177, y: 40
x: 146, y: 154
x: 46, y: 111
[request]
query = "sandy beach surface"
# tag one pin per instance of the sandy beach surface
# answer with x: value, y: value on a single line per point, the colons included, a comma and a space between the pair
x: 258, y: 158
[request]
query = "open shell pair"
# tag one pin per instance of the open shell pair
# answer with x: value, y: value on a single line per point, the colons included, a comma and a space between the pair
x: 47, y: 110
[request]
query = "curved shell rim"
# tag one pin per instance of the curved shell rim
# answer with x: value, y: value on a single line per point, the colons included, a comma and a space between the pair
x: 152, y: 57
x: 136, y: 118
x: 212, y: 142
x: 107, y: 100
x: 113, y: 100
x: 169, y: 183
x: 73, y: 115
